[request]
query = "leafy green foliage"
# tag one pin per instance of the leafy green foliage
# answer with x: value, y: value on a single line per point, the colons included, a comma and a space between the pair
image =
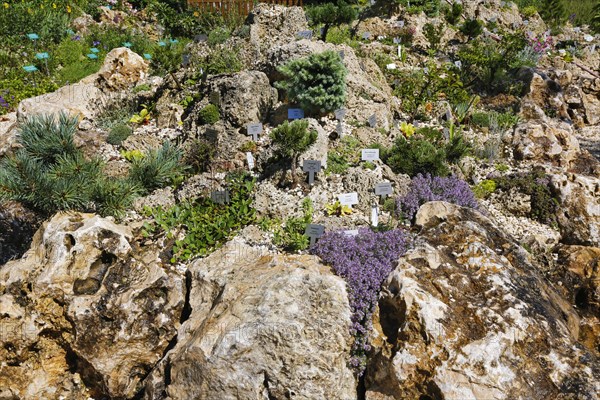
x: 343, y: 155
x: 414, y: 156
x: 484, y: 188
x: 553, y: 12
x: 433, y: 34
x: 218, y: 35
x: 316, y: 82
x: 331, y: 14
x: 291, y: 140
x: 207, y: 225
x: 113, y: 196
x: 222, y: 60
x: 209, y: 114
x: 595, y: 19
x: 472, y: 28
x: 291, y: 236
x: 199, y: 155
x: 336, y: 208
x: 159, y: 168
x: 118, y: 134
x: 544, y: 206
x: 453, y: 13
x: 430, y: 7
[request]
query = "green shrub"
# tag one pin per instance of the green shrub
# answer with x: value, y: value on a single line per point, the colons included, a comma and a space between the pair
x: 199, y: 155
x: 453, y: 13
x: 141, y: 88
x: 544, y: 206
x: 290, y: 140
x: 430, y: 7
x: 433, y: 34
x: 209, y: 115
x: 50, y: 174
x: 158, y: 168
x: 331, y: 14
x: 343, y: 155
x: 416, y: 156
x: 484, y: 188
x: 553, y: 12
x: 118, y: 134
x: 529, y: 11
x: 222, y: 61
x: 317, y: 82
x: 595, y: 18
x: 291, y: 236
x: 218, y: 35
x: 114, y: 196
x: 472, y: 28
x: 167, y: 59
x: 207, y: 225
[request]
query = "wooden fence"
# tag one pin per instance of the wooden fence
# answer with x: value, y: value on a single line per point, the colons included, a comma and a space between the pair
x: 240, y: 7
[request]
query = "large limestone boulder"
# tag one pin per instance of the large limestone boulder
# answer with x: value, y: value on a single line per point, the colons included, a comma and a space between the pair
x: 579, y: 216
x: 261, y: 327
x: 122, y: 68
x: 545, y: 142
x: 466, y: 315
x: 89, y: 313
x: 244, y: 97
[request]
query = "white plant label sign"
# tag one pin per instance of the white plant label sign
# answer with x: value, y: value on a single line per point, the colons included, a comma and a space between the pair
x: 250, y: 160
x: 370, y: 154
x: 340, y: 114
x: 254, y: 130
x: 348, y: 199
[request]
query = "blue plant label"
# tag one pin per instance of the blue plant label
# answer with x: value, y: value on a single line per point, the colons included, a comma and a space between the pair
x: 220, y: 196
x: 70, y: 32
x: 33, y: 36
x: 314, y: 230
x: 304, y: 35
x: 92, y: 56
x: 42, y: 56
x: 384, y: 189
x: 295, y: 113
x: 30, y: 68
x: 340, y: 114
x: 348, y: 199
x: 94, y: 50
x: 370, y: 154
x: 162, y: 44
x: 127, y: 44
x: 311, y: 166
x: 173, y: 41
x: 373, y: 121
x: 254, y: 130
x: 148, y: 56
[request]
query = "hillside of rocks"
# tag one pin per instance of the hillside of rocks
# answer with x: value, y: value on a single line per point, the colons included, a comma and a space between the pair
x: 486, y: 286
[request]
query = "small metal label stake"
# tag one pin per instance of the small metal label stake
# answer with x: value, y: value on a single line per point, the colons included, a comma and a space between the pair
x: 373, y: 121
x: 312, y: 167
x: 340, y: 114
x: 304, y: 35
x: 370, y: 155
x: 314, y: 232
x: 254, y: 130
x: 295, y: 113
x: 383, y: 189
x: 220, y: 196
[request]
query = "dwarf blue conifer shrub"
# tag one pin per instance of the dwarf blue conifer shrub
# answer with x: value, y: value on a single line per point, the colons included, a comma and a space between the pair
x: 424, y: 188
x: 364, y: 261
x: 317, y: 82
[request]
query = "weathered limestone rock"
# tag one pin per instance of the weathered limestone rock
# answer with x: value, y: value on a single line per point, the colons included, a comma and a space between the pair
x: 261, y: 326
x: 245, y: 97
x: 465, y: 315
x: 82, y: 299
x: 8, y: 134
x: 545, y: 142
x: 579, y: 216
x: 122, y: 69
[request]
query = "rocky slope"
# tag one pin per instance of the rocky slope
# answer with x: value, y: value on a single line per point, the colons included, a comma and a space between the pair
x: 488, y: 304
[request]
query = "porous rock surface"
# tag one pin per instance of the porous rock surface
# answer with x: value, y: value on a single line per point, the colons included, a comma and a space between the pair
x: 466, y: 315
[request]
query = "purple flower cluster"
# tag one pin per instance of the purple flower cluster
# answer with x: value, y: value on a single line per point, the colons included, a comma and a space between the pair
x: 4, y: 103
x: 364, y: 261
x: 427, y: 188
x: 542, y: 44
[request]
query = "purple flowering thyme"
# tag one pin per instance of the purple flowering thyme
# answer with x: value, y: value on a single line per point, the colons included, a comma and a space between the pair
x: 364, y: 261
x: 424, y: 188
